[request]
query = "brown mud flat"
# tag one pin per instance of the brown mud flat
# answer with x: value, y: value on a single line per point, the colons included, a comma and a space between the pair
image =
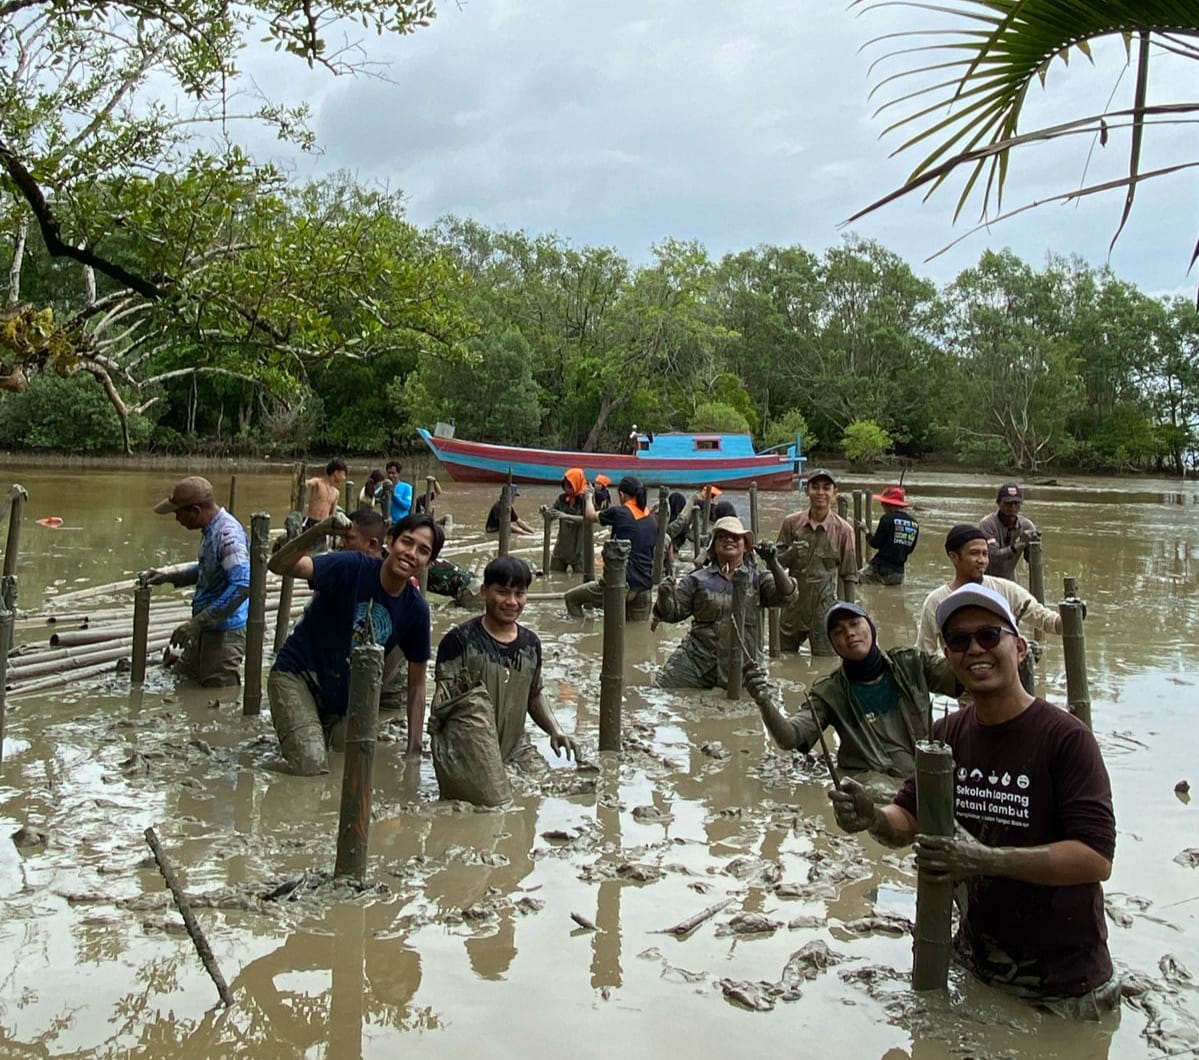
x: 544, y: 925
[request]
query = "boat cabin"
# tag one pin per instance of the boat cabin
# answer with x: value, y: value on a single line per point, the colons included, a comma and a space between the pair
x: 677, y: 446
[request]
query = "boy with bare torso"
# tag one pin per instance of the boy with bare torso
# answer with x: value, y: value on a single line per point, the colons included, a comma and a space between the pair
x: 324, y: 492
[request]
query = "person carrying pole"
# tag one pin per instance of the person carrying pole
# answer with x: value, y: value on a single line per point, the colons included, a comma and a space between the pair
x: 711, y: 647
x: 358, y: 597
x: 893, y: 539
x: 880, y: 702
x: 212, y: 643
x: 817, y: 548
x: 1037, y: 831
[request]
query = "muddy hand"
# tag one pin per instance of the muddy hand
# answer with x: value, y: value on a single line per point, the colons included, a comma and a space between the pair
x: 757, y: 683
x: 154, y: 577
x: 339, y: 524
x: 852, y: 806
x: 560, y: 742
x: 958, y: 857
x: 183, y: 635
x: 768, y: 550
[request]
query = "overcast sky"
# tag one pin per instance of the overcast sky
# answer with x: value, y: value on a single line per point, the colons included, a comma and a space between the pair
x: 620, y: 123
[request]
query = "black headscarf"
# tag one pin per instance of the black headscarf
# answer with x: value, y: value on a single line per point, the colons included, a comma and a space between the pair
x: 859, y: 671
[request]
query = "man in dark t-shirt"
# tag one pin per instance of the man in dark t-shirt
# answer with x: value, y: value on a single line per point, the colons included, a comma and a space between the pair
x: 519, y: 526
x: 894, y: 539
x: 357, y: 598
x: 1033, y: 796
x: 629, y: 521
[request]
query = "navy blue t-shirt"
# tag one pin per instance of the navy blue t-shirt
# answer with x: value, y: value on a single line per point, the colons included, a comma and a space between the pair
x: 344, y: 583
x: 642, y: 534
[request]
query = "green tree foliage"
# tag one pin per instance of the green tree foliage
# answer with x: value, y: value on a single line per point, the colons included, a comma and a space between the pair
x: 717, y: 416
x: 864, y: 441
x: 783, y: 431
x: 489, y: 393
x: 66, y: 414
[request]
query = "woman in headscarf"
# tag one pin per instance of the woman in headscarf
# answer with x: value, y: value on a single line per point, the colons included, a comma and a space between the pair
x: 878, y: 701
x: 568, y: 547
x: 711, y: 646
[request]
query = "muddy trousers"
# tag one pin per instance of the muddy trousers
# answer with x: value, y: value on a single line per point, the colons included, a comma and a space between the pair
x: 214, y: 659
x: 803, y: 618
x: 868, y: 575
x: 637, y: 602
x: 304, y: 735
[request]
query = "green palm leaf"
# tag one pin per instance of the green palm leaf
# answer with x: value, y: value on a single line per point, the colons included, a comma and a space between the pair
x: 988, y: 53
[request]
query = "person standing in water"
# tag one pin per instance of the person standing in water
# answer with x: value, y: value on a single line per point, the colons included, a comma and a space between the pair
x: 894, y: 539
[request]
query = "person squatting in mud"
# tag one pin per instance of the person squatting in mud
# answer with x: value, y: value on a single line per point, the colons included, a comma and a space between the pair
x: 705, y: 596
x: 495, y: 651
x: 212, y: 642
x: 1037, y: 831
x: 817, y: 548
x: 880, y: 702
x: 358, y: 598
x: 629, y: 521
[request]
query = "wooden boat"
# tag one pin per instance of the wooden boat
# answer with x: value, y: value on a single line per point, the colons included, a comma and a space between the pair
x: 686, y: 460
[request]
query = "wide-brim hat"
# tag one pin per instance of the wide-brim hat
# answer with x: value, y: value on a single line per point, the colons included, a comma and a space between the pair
x: 190, y: 491
x: 893, y: 495
x: 730, y: 524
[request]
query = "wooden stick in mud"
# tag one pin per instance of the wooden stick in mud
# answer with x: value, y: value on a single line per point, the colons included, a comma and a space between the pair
x: 546, y: 541
x: 707, y: 520
x: 17, y: 496
x: 737, y: 651
x: 291, y: 528
x: 843, y: 506
x: 1074, y: 647
x: 189, y: 920
x: 141, y: 625
x: 753, y: 509
x: 588, y: 551
x: 362, y: 724
x: 696, y: 536
x: 685, y: 927
x: 260, y: 534
x: 773, y: 619
x: 347, y: 496
x: 6, y: 621
x: 932, y: 948
x: 1036, y: 570
x: 868, y: 505
x: 301, y: 490
x: 858, y: 523
x: 616, y: 558
x: 660, y: 540
x: 829, y: 764
x: 429, y: 493
x: 232, y: 494
x: 505, y: 520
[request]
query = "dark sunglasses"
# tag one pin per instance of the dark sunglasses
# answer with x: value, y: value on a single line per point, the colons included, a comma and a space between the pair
x: 985, y: 636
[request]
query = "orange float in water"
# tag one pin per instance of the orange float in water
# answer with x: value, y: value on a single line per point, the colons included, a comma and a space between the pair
x: 52, y: 521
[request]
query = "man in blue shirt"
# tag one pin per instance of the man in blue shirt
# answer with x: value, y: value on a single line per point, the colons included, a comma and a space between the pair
x: 401, y: 492
x: 212, y: 642
x: 358, y: 598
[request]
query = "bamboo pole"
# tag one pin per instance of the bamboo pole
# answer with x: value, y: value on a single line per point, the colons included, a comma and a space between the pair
x: 736, y: 649
x: 362, y: 723
x: 588, y: 551
x: 868, y: 505
x: 6, y: 620
x: 773, y: 620
x: 67, y: 659
x: 1036, y: 570
x: 754, y: 524
x: 616, y: 558
x: 429, y: 480
x: 707, y: 521
x: 70, y: 677
x: 932, y: 946
x: 17, y: 496
x: 695, y: 533
x: 843, y: 506
x: 505, y: 520
x: 1074, y: 647
x: 347, y: 496
x: 291, y: 529
x: 546, y: 541
x: 301, y: 491
x: 232, y: 494
x: 260, y: 534
x: 141, y: 628
x: 660, y: 541
x: 857, y: 528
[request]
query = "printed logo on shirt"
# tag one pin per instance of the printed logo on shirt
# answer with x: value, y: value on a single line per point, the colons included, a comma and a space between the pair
x: 380, y: 620
x: 988, y: 797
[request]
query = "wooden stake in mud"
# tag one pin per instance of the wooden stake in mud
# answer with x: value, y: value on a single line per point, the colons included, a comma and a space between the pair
x: 232, y: 494
x: 843, y: 506
x: 386, y: 490
x: 1036, y: 570
x: 1074, y: 646
x: 362, y: 723
x: 546, y: 541
x: 868, y: 505
x: 260, y: 538
x: 775, y: 639
x: 736, y: 648
x: 932, y: 947
x: 429, y: 480
x: 348, y: 496
x: 291, y: 529
x: 660, y: 541
x: 857, y: 526
x: 189, y: 920
x: 753, y: 509
x: 616, y: 558
x: 6, y: 622
x: 141, y: 631
x: 707, y: 509
x: 301, y: 493
x: 588, y: 551
x: 696, y: 536
x: 505, y: 520
x: 17, y: 496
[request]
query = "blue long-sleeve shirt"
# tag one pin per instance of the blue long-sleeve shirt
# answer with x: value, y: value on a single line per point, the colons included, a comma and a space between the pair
x: 223, y: 572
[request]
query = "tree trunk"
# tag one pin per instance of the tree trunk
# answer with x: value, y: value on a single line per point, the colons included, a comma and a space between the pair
x: 18, y: 258
x: 118, y: 404
x: 607, y: 407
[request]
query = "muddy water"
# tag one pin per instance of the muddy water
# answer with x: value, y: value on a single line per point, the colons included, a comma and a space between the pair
x: 467, y: 944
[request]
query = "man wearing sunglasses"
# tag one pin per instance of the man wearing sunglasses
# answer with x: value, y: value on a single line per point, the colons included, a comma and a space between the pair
x: 212, y: 642
x: 1037, y: 832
